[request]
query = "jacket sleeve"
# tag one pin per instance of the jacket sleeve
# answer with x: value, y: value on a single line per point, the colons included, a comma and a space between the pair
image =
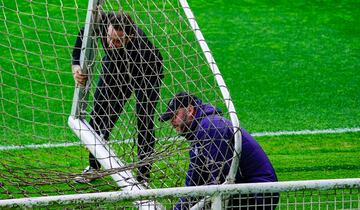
x: 217, y: 150
x: 99, y: 30
x: 193, y: 178
x: 218, y: 155
x: 77, y: 48
x: 212, y: 162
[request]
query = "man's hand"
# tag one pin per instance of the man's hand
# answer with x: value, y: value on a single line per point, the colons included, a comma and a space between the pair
x: 79, y: 78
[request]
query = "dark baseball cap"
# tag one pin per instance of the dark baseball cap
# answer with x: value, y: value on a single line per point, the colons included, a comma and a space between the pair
x: 182, y: 99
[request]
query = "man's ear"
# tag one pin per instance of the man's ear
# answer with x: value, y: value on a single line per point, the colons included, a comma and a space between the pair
x: 191, y: 110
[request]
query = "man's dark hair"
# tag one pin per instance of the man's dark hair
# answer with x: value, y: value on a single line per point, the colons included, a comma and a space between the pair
x: 122, y: 22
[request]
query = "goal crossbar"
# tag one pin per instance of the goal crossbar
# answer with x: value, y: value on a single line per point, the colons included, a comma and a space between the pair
x: 268, y: 187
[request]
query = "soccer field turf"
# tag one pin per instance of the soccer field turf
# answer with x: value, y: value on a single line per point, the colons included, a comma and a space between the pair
x: 289, y: 66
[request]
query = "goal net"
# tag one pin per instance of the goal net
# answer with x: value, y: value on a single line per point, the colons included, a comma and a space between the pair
x: 41, y: 156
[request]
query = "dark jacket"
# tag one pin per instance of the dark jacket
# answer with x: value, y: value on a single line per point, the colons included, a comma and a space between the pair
x: 139, y: 57
x: 211, y: 139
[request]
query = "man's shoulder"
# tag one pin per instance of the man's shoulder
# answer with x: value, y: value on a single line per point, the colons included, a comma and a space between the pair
x: 214, y: 126
x: 141, y: 41
x: 215, y: 121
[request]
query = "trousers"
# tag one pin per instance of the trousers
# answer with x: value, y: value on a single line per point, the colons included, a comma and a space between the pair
x: 115, y: 86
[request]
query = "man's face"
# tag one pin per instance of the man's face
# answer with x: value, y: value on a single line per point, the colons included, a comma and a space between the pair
x: 116, y: 39
x: 182, y: 120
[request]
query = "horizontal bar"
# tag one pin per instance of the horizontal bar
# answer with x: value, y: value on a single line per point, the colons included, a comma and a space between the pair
x: 268, y: 187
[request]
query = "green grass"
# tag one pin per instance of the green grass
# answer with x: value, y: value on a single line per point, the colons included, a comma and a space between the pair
x: 314, y: 156
x: 289, y: 65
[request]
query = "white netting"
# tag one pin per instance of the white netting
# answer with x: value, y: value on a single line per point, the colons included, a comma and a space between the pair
x: 40, y: 154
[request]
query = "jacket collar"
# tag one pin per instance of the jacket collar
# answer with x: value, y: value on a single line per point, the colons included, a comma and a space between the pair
x: 201, y: 111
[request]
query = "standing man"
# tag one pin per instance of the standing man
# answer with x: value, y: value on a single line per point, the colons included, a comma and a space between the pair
x: 131, y: 64
x: 211, y: 139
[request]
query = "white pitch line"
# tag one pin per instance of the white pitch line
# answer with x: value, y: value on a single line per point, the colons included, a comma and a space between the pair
x: 39, y: 146
x: 307, y: 132
x: 259, y: 134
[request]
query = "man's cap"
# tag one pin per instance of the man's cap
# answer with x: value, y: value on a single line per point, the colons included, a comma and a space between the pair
x: 182, y: 99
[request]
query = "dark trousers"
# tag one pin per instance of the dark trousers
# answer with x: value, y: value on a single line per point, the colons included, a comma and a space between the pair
x: 114, y: 88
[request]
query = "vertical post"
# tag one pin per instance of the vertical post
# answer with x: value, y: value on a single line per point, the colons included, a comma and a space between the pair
x: 224, y: 90
x: 230, y: 178
x: 216, y: 202
x: 87, y: 57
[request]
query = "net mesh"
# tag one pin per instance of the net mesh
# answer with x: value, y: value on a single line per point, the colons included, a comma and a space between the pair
x: 40, y: 154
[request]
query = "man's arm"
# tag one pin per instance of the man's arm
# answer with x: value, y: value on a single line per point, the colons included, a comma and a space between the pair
x: 197, y: 173
x: 77, y: 48
x: 217, y: 149
x: 218, y: 155
x: 213, y: 158
x: 193, y: 178
x: 100, y: 30
x: 79, y: 78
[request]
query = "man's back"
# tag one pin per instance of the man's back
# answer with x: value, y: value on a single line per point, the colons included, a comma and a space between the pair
x: 254, y: 165
x: 214, y: 135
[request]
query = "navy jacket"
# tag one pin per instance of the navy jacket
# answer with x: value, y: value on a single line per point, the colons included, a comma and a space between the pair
x: 211, y: 138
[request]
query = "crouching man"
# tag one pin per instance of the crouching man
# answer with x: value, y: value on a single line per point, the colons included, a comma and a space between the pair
x: 211, y: 138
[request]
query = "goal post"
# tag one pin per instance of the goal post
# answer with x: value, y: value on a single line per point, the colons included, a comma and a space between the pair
x: 87, y: 56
